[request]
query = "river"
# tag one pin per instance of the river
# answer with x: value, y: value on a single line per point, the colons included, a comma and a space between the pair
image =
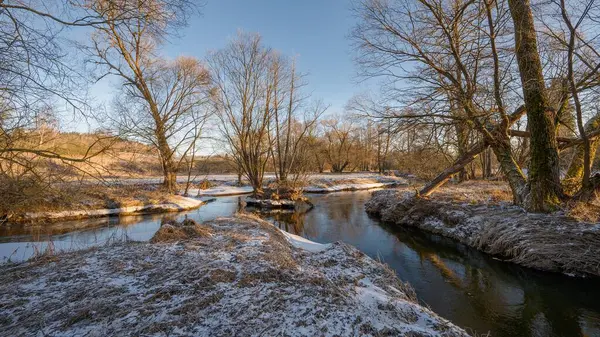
x: 473, y: 290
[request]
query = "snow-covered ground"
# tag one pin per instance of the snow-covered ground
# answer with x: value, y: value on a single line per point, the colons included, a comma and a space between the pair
x: 238, y: 276
x: 230, y: 178
x: 318, y: 183
x: 175, y: 204
x: 348, y: 187
x: 221, y: 191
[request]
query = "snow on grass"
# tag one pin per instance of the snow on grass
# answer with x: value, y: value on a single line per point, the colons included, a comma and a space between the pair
x: 174, y: 204
x: 317, y: 183
x: 352, y: 183
x: 347, y: 187
x: 245, y: 279
x: 220, y: 191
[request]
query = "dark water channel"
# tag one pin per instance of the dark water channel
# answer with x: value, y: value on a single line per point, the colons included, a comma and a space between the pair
x: 475, y: 291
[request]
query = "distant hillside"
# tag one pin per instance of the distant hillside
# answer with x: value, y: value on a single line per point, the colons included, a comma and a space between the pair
x: 107, y: 155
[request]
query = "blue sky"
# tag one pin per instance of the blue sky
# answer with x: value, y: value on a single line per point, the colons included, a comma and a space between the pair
x: 315, y: 31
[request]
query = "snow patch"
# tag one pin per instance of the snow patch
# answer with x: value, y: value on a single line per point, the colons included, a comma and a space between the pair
x: 302, y: 243
x: 221, y: 191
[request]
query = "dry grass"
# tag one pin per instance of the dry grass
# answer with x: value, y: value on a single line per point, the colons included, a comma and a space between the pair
x: 475, y: 192
x: 584, y: 211
x: 543, y: 242
x: 172, y: 231
x: 206, y: 184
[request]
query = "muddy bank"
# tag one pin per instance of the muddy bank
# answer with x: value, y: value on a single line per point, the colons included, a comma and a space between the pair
x: 232, y: 276
x: 548, y: 242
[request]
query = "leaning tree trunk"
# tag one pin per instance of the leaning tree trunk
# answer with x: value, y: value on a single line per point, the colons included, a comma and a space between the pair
x: 501, y: 145
x: 458, y: 166
x: 544, y: 176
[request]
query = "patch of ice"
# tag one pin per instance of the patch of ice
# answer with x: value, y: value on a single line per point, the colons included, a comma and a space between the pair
x: 302, y: 243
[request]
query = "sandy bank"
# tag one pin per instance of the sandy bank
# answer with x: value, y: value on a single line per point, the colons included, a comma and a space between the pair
x: 233, y: 276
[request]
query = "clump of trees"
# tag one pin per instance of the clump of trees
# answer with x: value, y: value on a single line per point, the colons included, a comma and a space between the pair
x: 265, y: 118
x: 480, y: 67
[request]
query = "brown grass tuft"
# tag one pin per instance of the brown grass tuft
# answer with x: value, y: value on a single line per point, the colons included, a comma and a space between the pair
x: 173, y: 231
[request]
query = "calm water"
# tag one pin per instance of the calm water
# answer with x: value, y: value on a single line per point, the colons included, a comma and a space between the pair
x: 471, y: 289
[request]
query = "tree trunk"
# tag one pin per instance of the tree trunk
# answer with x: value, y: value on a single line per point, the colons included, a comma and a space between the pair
x: 168, y: 166
x: 462, y: 137
x: 510, y: 168
x: 573, y: 179
x: 170, y: 179
x: 487, y: 165
x: 544, y: 176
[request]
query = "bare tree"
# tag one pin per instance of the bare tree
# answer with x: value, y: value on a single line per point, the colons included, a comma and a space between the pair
x: 339, y: 143
x: 178, y: 90
x: 384, y: 141
x: 244, y: 101
x: 567, y: 31
x: 544, y: 171
x: 165, y: 95
x: 291, y: 121
x: 458, y: 57
x: 451, y: 61
x: 42, y: 82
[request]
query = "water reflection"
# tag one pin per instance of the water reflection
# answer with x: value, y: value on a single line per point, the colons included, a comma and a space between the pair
x: 471, y: 289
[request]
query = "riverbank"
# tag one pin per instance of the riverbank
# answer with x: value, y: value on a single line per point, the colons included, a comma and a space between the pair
x: 485, y: 220
x: 82, y: 201
x: 73, y: 201
x: 231, y: 276
x: 167, y: 204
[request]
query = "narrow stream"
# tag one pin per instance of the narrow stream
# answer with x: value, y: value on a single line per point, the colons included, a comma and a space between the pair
x: 469, y: 288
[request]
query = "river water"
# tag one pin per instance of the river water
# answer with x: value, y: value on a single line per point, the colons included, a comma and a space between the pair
x: 473, y: 290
